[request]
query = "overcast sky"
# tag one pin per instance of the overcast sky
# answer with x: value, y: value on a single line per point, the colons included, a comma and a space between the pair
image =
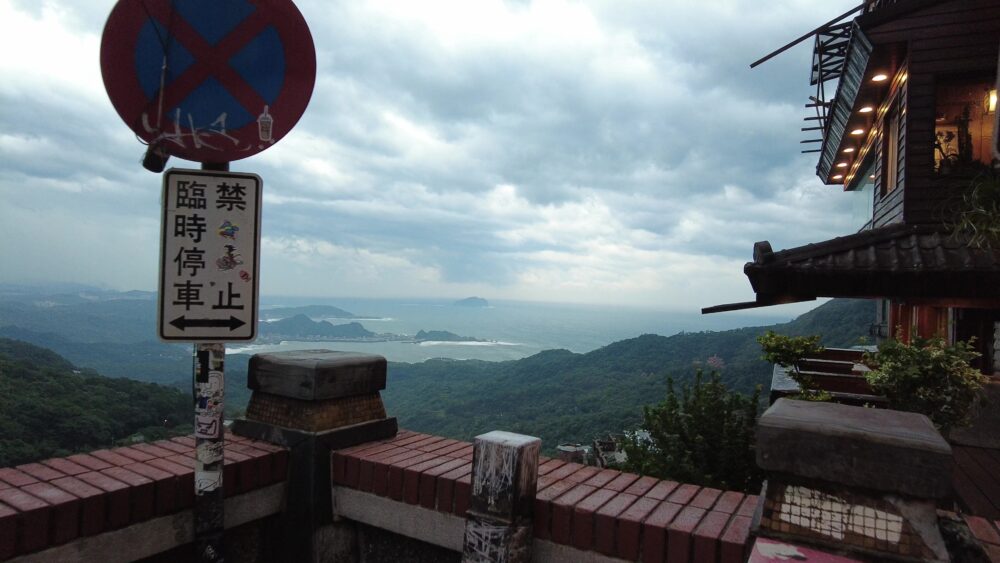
x: 616, y: 152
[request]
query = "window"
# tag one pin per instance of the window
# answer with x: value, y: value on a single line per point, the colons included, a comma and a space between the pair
x: 890, y: 167
x: 963, y: 123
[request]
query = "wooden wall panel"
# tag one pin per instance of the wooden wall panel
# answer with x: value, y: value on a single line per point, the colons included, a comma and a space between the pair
x: 950, y: 38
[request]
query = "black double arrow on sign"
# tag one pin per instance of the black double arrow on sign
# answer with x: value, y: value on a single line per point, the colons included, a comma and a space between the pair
x: 183, y: 323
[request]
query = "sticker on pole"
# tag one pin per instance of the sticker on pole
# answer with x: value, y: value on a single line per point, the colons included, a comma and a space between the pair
x: 209, y: 254
x: 208, y: 80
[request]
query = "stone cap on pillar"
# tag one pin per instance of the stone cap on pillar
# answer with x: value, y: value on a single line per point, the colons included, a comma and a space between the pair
x: 875, y: 449
x: 313, y: 375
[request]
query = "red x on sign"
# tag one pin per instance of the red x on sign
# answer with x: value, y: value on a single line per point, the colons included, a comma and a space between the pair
x: 208, y: 81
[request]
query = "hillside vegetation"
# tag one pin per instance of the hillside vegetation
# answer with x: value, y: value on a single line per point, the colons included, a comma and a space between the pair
x: 48, y: 408
x: 561, y: 396
x: 557, y: 395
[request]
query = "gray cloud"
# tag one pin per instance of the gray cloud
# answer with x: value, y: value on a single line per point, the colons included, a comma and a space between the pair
x: 540, y: 150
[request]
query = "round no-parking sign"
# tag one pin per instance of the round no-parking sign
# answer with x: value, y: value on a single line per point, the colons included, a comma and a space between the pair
x: 208, y: 80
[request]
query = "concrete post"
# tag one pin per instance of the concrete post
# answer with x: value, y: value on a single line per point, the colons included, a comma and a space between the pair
x: 504, y: 480
x: 856, y: 480
x: 312, y: 402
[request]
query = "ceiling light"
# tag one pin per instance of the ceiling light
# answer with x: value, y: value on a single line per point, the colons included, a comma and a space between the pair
x: 848, y: 150
x: 872, y: 177
x: 866, y: 109
x: 841, y: 165
x: 880, y: 77
x: 858, y: 132
x: 838, y: 177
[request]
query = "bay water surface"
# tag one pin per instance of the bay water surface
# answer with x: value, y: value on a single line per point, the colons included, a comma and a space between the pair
x: 513, y: 329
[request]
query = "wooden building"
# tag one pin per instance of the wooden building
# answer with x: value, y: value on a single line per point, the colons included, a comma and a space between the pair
x: 909, y: 130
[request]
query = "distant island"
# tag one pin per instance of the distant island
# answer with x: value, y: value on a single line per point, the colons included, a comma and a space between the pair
x: 301, y: 327
x: 472, y: 302
x: 312, y: 311
x: 443, y: 336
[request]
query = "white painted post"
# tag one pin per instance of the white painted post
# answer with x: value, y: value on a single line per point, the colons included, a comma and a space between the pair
x: 498, y: 523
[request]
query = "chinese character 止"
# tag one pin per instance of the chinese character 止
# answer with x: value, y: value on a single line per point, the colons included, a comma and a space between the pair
x: 231, y: 196
x: 193, y: 258
x: 229, y: 299
x: 188, y: 294
x: 193, y: 226
x: 190, y: 195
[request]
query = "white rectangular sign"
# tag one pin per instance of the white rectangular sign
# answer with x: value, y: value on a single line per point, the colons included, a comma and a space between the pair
x: 209, y: 254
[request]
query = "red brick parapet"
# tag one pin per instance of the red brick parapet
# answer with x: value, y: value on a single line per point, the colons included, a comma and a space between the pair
x: 987, y: 533
x: 57, y: 500
x: 616, y: 514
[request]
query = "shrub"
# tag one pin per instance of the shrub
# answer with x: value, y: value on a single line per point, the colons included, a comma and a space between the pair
x: 787, y: 351
x: 928, y: 376
x: 704, y: 436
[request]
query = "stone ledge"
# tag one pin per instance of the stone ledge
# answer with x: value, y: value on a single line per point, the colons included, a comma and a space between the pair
x: 871, y: 449
x: 316, y: 374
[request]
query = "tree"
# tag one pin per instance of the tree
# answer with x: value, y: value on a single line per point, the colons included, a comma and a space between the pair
x: 704, y: 436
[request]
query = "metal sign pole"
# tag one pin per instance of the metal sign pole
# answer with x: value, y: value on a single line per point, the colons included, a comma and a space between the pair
x: 209, y: 416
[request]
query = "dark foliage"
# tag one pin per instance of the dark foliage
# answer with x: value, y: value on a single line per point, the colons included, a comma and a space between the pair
x: 561, y: 397
x: 50, y: 409
x: 704, y: 436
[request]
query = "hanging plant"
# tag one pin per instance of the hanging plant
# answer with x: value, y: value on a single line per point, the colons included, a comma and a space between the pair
x: 977, y: 212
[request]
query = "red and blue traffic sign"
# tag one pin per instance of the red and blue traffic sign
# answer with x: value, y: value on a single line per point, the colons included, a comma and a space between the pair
x: 208, y: 81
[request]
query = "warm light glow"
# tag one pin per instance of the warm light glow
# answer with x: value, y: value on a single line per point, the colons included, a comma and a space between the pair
x: 841, y: 165
x: 849, y: 150
x: 866, y: 109
x: 838, y: 177
x: 992, y: 103
x: 880, y: 77
x: 872, y: 177
x: 858, y: 132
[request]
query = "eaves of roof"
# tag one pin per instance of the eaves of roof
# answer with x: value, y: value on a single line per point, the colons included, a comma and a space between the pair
x: 910, y: 262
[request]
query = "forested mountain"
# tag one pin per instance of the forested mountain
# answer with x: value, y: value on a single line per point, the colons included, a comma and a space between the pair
x: 311, y: 311
x: 560, y: 396
x: 301, y: 326
x: 49, y: 408
x: 557, y: 395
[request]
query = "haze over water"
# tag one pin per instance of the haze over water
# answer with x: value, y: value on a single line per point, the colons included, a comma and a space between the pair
x: 516, y: 329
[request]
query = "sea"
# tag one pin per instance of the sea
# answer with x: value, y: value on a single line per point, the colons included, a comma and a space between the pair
x: 512, y: 329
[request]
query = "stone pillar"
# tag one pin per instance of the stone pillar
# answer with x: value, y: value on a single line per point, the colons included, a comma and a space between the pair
x: 853, y: 480
x: 312, y: 402
x: 504, y: 480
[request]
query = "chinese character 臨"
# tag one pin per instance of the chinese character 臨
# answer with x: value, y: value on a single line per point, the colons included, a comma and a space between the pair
x: 190, y: 195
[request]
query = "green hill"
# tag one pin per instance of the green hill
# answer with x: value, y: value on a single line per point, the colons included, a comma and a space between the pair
x: 311, y: 311
x: 301, y: 326
x: 560, y: 396
x: 49, y: 408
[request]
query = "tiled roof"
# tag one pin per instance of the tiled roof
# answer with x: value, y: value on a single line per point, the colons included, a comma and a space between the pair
x: 893, y: 261
x: 56, y: 500
x: 617, y: 514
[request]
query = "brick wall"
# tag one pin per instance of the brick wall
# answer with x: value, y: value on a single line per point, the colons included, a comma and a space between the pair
x: 58, y: 500
x: 612, y: 513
